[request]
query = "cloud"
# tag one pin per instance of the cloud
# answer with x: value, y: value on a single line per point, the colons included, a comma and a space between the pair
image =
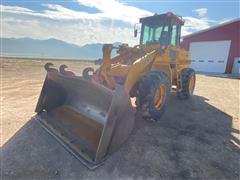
x: 53, y: 11
x: 117, y: 10
x: 74, y: 31
x: 14, y: 9
x: 194, y: 24
x: 59, y: 12
x: 73, y: 26
x: 114, y: 22
x: 110, y: 9
x: 201, y: 11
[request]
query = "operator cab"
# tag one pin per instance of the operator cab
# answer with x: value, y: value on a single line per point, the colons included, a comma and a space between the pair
x: 163, y: 29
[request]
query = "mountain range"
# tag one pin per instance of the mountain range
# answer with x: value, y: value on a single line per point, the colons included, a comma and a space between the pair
x: 50, y: 48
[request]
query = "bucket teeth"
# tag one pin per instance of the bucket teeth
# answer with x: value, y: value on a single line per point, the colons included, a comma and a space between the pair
x: 48, y: 68
x: 62, y: 70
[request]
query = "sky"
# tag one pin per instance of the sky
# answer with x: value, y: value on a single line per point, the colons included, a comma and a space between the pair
x: 83, y: 22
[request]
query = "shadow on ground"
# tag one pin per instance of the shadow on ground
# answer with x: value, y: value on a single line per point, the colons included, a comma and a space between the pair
x: 192, y: 139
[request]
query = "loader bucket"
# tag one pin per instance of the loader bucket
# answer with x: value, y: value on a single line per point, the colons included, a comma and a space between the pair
x: 89, y: 120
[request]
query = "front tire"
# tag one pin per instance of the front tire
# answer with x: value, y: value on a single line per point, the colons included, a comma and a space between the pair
x: 153, y: 93
x: 188, y: 83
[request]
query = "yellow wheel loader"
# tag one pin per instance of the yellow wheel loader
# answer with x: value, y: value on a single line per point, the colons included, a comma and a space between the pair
x: 92, y: 115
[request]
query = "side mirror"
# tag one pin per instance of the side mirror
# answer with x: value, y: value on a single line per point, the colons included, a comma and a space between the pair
x: 135, y: 32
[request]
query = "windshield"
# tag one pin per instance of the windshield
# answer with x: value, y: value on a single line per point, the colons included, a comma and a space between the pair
x: 151, y: 34
x: 161, y: 34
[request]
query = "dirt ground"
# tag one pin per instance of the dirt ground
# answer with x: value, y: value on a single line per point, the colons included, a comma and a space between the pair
x: 197, y: 138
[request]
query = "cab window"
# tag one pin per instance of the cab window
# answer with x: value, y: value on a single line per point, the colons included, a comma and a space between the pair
x: 151, y: 34
x: 164, y: 41
x: 174, y: 36
x: 145, y: 34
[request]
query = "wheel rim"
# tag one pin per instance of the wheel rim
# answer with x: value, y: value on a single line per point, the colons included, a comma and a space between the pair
x: 160, y: 96
x: 191, y: 84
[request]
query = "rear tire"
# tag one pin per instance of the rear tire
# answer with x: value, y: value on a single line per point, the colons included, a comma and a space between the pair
x: 188, y: 83
x: 153, y: 92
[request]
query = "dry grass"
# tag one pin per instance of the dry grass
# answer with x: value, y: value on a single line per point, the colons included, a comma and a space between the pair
x: 21, y: 82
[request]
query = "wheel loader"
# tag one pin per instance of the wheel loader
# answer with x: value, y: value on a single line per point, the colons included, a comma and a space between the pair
x: 91, y: 114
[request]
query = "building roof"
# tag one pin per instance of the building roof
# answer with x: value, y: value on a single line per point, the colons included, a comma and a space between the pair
x: 213, y: 27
